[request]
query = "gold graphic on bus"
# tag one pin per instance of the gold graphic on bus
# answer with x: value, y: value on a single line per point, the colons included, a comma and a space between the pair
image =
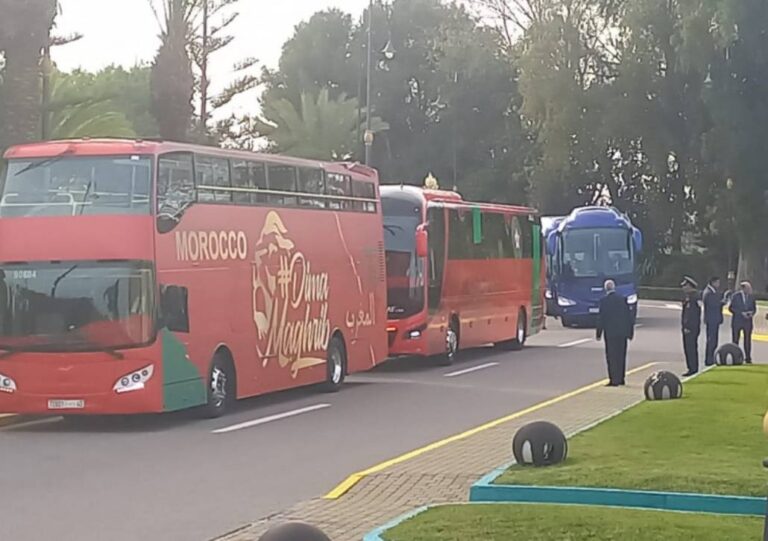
x: 290, y: 302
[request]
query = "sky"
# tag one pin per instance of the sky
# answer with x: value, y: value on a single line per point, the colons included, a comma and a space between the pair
x: 124, y: 32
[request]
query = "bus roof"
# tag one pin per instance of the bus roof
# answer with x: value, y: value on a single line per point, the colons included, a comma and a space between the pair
x: 593, y: 216
x: 119, y: 147
x: 449, y: 199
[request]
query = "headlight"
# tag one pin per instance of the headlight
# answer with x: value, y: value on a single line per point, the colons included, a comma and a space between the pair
x: 632, y: 299
x: 134, y: 381
x: 7, y: 385
x: 565, y: 301
x: 548, y: 294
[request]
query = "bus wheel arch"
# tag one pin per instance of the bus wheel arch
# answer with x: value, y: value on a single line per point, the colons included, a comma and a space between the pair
x: 220, y: 383
x: 337, y: 362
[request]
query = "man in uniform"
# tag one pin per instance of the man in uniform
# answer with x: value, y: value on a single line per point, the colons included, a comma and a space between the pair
x: 616, y: 323
x: 691, y: 325
x: 714, y: 302
x: 743, y: 308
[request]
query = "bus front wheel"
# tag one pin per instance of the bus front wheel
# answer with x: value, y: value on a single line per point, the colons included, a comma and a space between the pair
x: 336, y: 365
x: 221, y: 388
x: 451, y: 345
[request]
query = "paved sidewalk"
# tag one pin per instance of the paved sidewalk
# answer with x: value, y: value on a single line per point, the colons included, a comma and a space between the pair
x: 445, y: 474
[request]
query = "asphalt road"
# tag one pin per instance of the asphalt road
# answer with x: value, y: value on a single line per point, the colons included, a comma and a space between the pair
x: 175, y: 478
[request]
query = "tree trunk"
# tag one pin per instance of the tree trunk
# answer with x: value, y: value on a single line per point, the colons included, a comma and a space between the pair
x: 752, y: 263
x: 22, y: 99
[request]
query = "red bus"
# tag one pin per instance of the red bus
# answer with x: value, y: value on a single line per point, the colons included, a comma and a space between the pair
x: 459, y: 274
x: 141, y: 276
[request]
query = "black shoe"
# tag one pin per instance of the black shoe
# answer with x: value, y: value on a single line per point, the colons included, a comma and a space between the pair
x: 611, y: 384
x: 689, y: 374
x: 748, y: 361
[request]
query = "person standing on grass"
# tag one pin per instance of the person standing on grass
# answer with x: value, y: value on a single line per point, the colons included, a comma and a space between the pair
x: 691, y: 325
x: 743, y: 308
x: 616, y: 324
x: 714, y: 302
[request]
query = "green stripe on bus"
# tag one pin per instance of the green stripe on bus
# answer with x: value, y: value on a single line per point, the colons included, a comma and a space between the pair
x: 183, y: 385
x: 477, y: 226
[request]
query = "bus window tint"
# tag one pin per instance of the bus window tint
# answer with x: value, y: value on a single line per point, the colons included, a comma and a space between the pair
x: 204, y: 179
x: 338, y: 186
x: 364, y: 190
x: 597, y: 252
x: 405, y: 271
x: 69, y: 186
x: 436, y: 219
x: 496, y: 243
x: 175, y: 188
x: 241, y: 180
x: 515, y: 235
x: 221, y: 180
x: 461, y: 236
x: 311, y: 181
x: 282, y: 178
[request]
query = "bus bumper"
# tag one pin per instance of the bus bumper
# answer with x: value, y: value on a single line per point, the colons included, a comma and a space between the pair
x: 407, y: 339
x: 79, y: 388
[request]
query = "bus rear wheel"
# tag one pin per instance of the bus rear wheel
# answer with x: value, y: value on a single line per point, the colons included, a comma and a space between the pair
x: 521, y: 334
x: 221, y: 388
x: 336, y: 365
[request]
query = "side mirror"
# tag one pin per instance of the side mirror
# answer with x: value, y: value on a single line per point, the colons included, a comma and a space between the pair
x: 422, y: 241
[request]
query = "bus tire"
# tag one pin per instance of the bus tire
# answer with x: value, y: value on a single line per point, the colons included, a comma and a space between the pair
x: 451, y: 344
x: 521, y: 333
x: 221, y: 387
x: 336, y: 365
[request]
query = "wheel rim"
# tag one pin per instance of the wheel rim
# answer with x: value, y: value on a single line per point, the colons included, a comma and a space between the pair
x: 451, y: 343
x: 521, y: 329
x: 218, y: 387
x: 337, y: 366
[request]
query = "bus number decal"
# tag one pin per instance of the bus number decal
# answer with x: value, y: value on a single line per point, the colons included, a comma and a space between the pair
x: 211, y: 245
x: 290, y: 301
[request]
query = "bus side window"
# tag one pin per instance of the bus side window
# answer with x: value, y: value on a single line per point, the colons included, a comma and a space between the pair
x: 204, y: 179
x: 338, y: 186
x: 174, y: 308
x: 460, y: 235
x: 282, y: 178
x: 221, y: 180
x: 258, y: 175
x: 241, y: 180
x: 495, y: 234
x: 366, y: 191
x: 516, y: 237
x: 175, y: 186
x: 312, y: 181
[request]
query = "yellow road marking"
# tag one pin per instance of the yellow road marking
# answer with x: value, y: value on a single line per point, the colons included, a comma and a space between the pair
x: 344, y: 487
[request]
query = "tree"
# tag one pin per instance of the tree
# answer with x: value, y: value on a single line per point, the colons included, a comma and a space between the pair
x: 25, y: 29
x: 80, y: 108
x: 172, y: 78
x: 321, y: 128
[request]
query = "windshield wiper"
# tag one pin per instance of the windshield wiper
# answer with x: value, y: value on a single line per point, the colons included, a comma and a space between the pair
x: 48, y: 161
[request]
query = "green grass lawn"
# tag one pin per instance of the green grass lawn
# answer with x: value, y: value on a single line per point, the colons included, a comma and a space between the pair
x: 569, y: 523
x: 710, y: 441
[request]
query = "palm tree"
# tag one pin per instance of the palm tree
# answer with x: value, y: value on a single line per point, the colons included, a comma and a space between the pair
x: 321, y: 129
x: 172, y: 77
x: 25, y: 28
x: 73, y: 113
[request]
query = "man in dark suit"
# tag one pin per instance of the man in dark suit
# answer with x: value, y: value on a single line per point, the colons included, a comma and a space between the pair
x: 615, y: 322
x: 714, y: 301
x: 691, y: 325
x: 743, y: 308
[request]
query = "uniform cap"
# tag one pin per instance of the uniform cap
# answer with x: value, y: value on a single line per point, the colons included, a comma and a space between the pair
x: 688, y: 281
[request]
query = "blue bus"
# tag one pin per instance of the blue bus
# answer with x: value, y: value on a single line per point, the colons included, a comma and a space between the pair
x: 585, y: 248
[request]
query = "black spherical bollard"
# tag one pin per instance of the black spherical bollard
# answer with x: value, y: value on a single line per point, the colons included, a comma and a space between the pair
x: 729, y: 355
x: 539, y: 444
x: 294, y: 531
x: 663, y: 385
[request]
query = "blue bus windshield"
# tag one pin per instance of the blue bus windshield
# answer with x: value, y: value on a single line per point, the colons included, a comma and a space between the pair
x: 591, y: 253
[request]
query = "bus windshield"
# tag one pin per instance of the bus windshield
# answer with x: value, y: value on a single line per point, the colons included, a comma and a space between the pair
x: 76, y: 185
x: 600, y: 252
x: 405, y: 272
x: 76, y: 306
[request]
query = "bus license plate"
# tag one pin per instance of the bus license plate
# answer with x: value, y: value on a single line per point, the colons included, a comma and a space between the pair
x: 66, y: 404
x: 594, y: 310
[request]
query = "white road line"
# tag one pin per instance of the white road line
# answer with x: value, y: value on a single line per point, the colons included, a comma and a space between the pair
x: 673, y: 307
x: 270, y: 419
x: 470, y: 370
x: 575, y: 343
x: 36, y: 422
